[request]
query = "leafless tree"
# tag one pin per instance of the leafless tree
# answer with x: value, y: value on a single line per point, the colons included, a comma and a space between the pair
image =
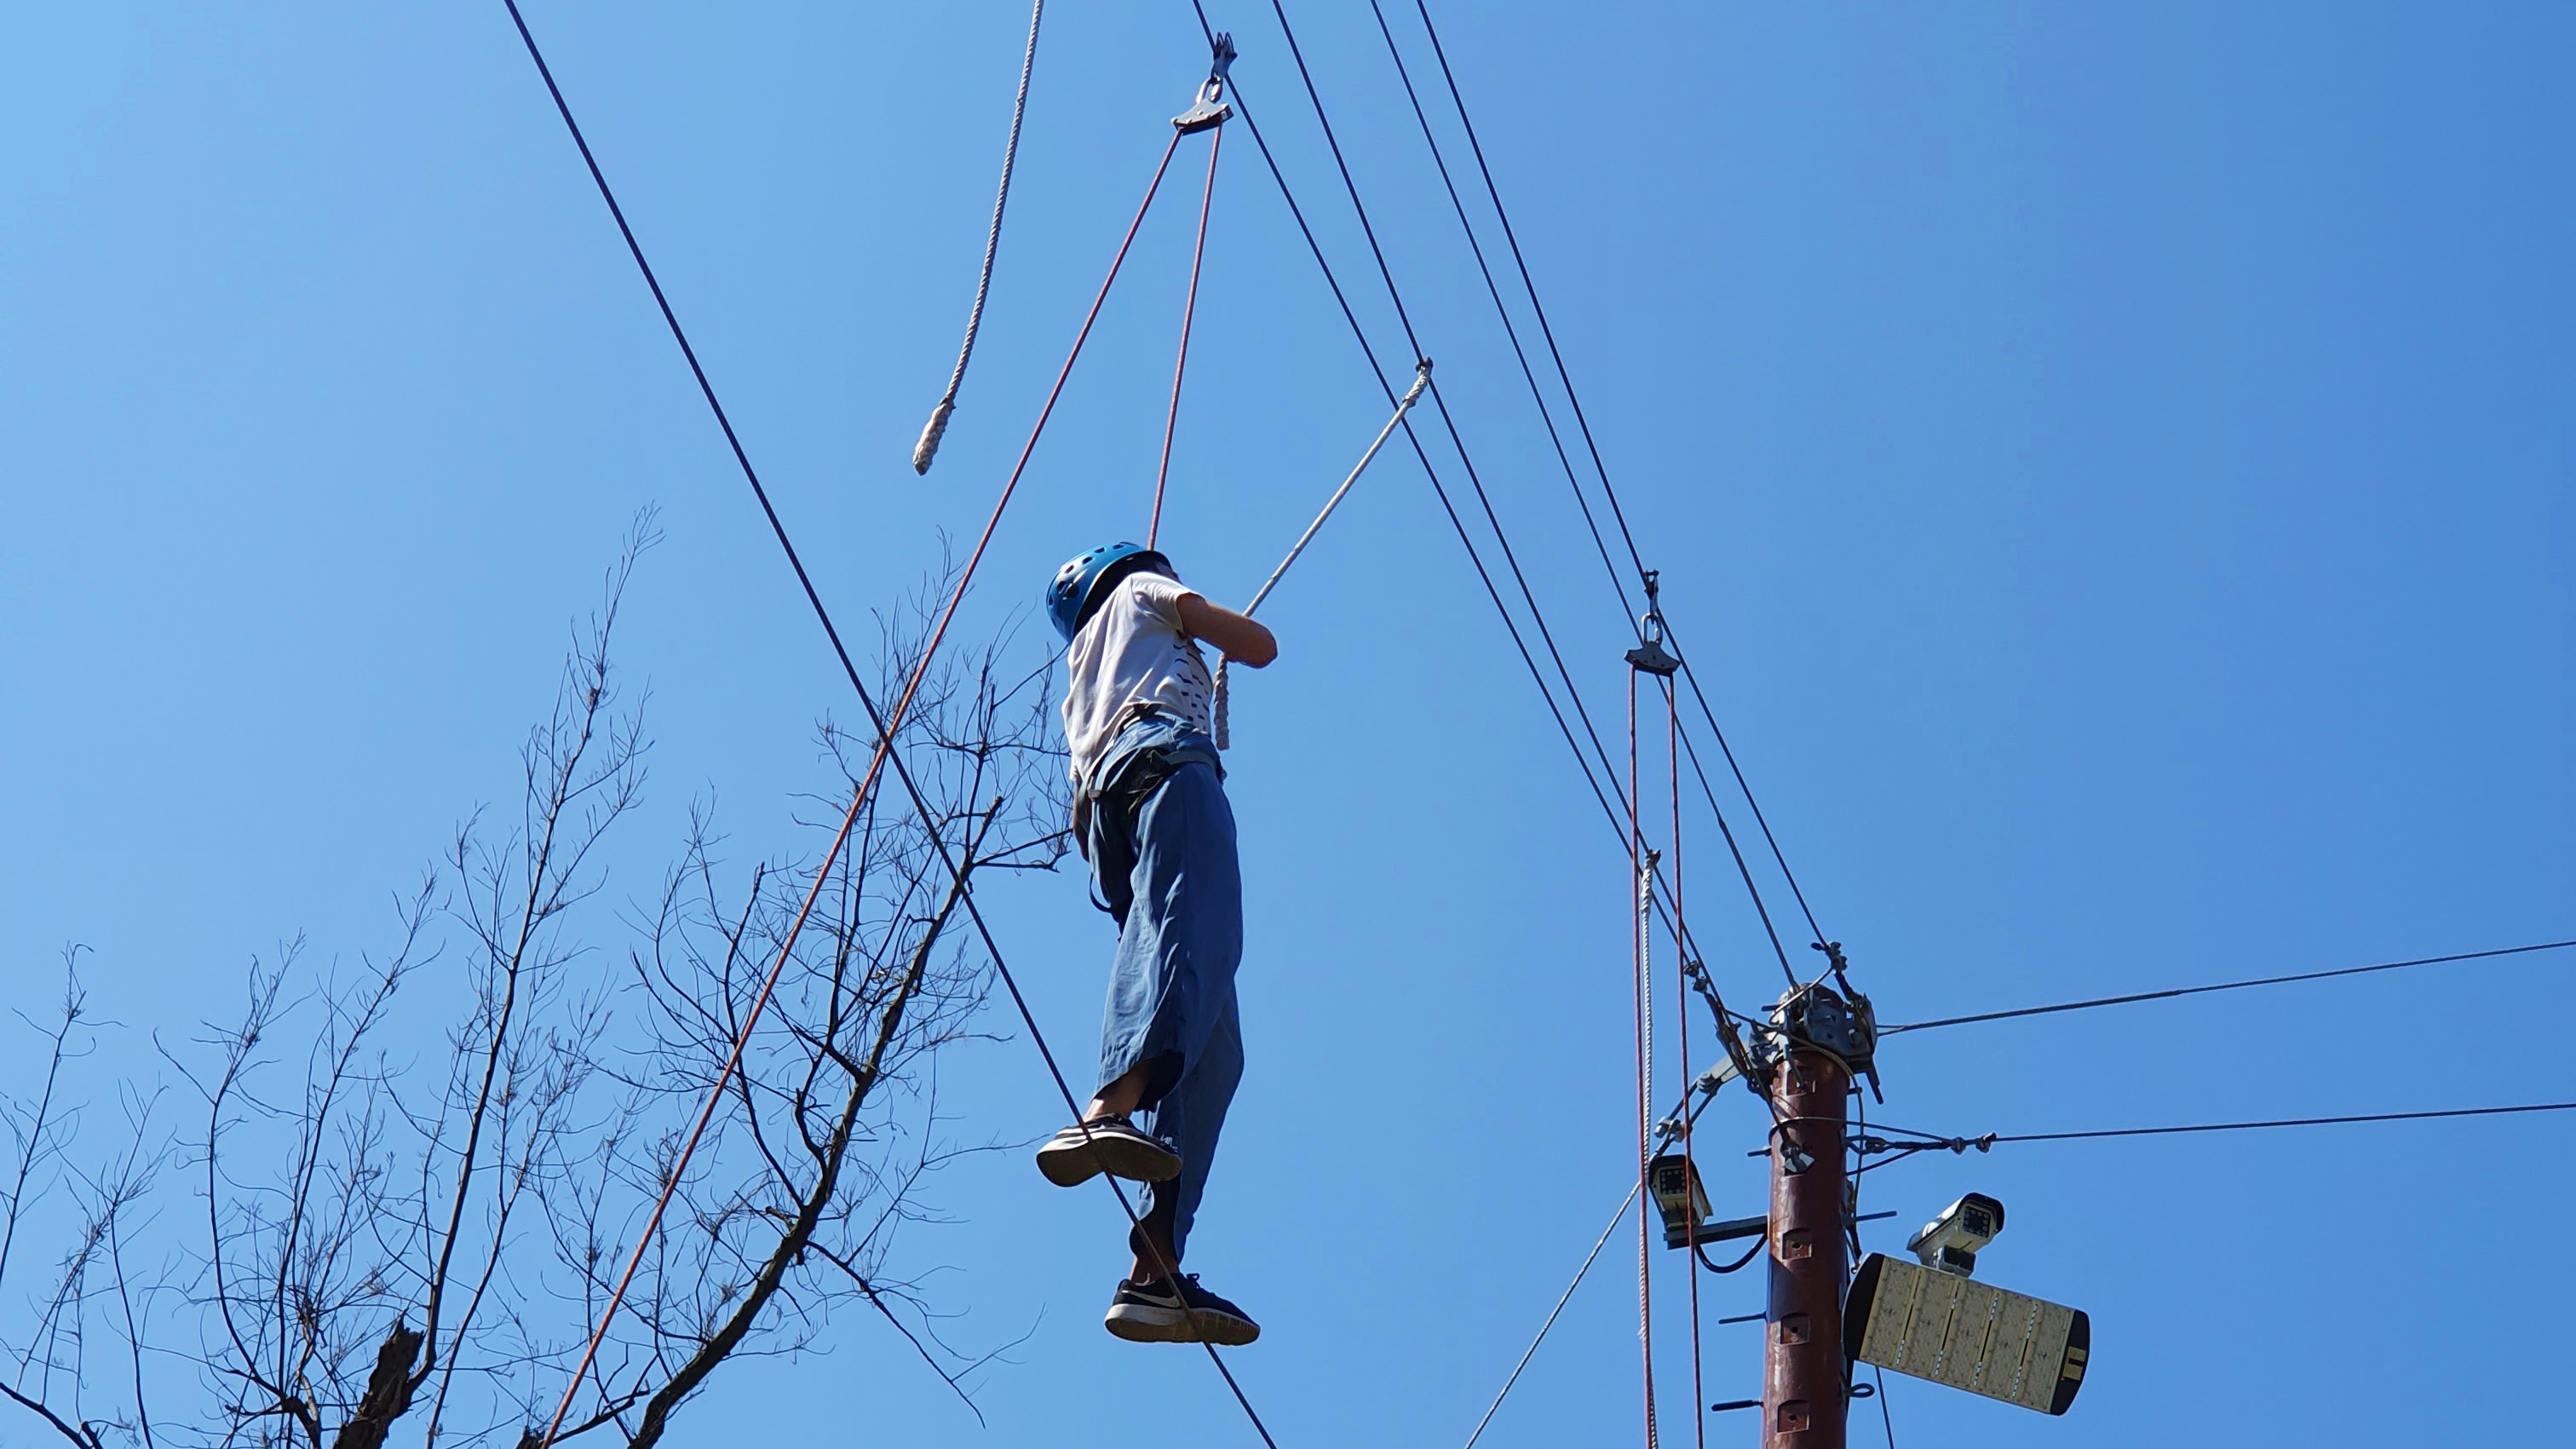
x: 90, y: 1292
x: 378, y: 1247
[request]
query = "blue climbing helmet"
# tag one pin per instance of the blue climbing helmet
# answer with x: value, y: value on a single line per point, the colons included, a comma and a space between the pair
x: 1085, y: 580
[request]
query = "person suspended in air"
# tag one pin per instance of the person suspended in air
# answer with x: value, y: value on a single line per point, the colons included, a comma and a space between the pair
x: 1151, y: 817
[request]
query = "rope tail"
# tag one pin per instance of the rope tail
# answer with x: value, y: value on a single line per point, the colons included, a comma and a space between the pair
x: 937, y: 428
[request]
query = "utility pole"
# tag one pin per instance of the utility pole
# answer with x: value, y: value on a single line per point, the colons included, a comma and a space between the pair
x: 1805, y: 1395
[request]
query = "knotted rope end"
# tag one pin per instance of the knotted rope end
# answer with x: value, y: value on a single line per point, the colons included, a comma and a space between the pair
x: 931, y: 432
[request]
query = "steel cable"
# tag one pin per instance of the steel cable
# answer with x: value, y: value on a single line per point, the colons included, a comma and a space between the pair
x: 1900, y: 1151
x: 1610, y: 813
x: 1565, y: 378
x: 2168, y: 995
x: 1618, y: 1216
x: 2278, y: 1122
x: 1484, y: 500
x: 1439, y: 490
x: 1439, y: 402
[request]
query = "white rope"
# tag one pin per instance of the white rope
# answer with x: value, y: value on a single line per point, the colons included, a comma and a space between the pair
x: 931, y: 432
x: 1616, y: 1218
x: 1413, y: 394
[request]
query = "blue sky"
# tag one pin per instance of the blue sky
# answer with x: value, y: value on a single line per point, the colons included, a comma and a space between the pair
x: 2110, y: 463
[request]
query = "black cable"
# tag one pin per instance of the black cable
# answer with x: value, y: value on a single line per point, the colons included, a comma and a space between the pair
x: 1547, y: 415
x: 2223, y: 986
x: 1538, y: 397
x: 1547, y: 418
x: 1851, y: 1269
x: 1449, y: 424
x: 1243, y: 108
x: 1610, y: 813
x: 867, y: 702
x: 2281, y: 1122
x: 1700, y: 1251
x: 1583, y: 423
x: 1899, y: 1151
x: 1742, y: 785
x: 1743, y: 869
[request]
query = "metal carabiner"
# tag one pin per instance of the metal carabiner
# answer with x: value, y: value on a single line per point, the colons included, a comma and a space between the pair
x: 1210, y: 110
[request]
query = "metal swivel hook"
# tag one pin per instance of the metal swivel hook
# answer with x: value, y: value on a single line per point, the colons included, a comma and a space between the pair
x: 1210, y: 109
x: 1650, y: 655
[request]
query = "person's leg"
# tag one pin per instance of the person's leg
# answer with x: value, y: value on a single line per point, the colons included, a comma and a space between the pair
x: 1139, y: 1021
x: 1122, y: 1096
x: 1189, y: 891
x: 1191, y: 1117
x: 1157, y: 1302
x: 1151, y: 1239
x: 1178, y: 943
x: 1136, y: 1061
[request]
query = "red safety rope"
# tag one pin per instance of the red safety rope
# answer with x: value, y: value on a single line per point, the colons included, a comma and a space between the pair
x: 1681, y: 1048
x: 1189, y: 310
x: 876, y: 762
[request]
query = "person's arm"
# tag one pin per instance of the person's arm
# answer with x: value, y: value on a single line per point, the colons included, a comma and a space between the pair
x: 1242, y: 639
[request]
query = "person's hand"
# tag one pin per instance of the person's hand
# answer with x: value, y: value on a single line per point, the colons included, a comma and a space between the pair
x: 1242, y: 639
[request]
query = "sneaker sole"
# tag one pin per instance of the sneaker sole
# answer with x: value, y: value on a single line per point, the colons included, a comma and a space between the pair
x: 1139, y: 1323
x: 1075, y: 1163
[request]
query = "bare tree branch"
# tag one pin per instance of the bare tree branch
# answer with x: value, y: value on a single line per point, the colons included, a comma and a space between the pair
x: 417, y: 1170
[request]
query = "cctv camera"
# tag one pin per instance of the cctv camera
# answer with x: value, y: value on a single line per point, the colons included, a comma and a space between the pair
x: 1949, y: 1243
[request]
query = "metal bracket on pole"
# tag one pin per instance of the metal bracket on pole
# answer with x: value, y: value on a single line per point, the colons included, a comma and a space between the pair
x: 1814, y: 1017
x: 1210, y: 110
x: 1839, y: 967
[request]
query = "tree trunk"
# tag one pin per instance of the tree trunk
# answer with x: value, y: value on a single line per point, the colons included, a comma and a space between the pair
x: 388, y: 1395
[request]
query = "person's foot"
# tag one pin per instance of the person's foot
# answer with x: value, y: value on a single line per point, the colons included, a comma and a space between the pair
x: 1160, y: 1312
x: 1111, y: 1145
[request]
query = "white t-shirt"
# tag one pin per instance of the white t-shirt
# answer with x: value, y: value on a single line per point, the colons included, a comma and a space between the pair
x: 1132, y: 653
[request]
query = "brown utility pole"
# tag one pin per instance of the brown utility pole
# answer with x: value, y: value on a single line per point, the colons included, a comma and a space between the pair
x: 1804, y: 1395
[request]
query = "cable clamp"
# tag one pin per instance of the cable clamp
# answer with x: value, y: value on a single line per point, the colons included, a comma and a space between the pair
x: 1210, y: 110
x: 1421, y: 380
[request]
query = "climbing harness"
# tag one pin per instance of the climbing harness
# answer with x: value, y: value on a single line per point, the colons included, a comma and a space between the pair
x: 1413, y: 394
x: 931, y: 432
x: 1208, y: 112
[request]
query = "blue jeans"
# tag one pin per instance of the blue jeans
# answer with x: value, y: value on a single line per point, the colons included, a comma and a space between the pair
x: 1179, y: 903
